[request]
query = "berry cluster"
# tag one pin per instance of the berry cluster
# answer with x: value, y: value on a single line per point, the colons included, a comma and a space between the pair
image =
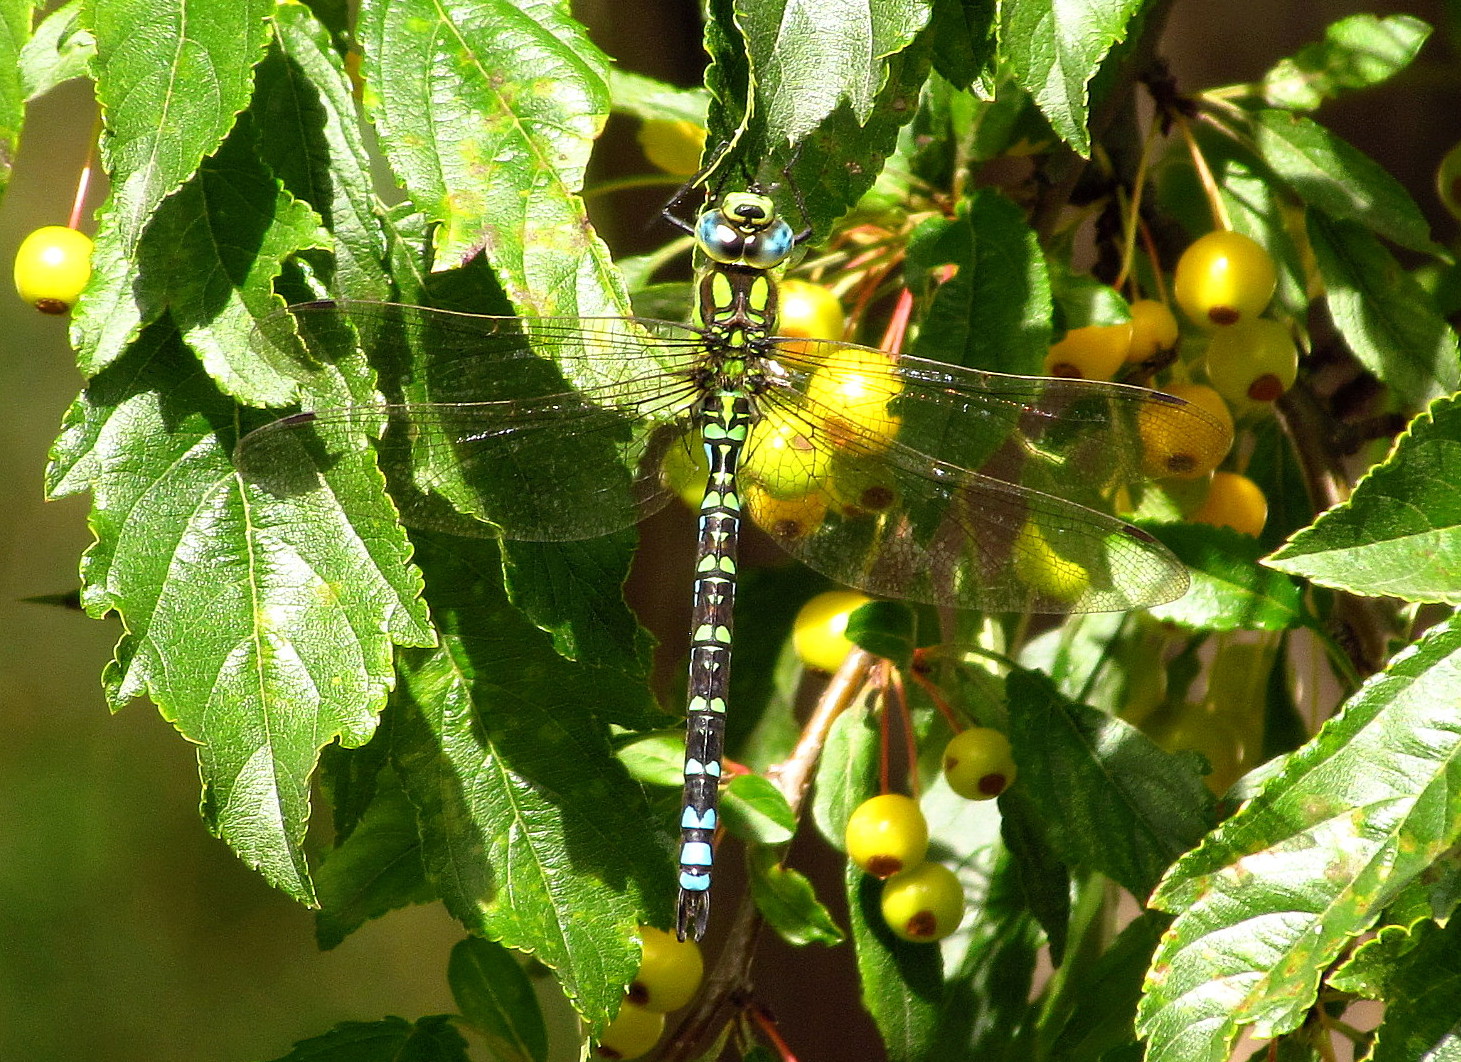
x: 669, y: 975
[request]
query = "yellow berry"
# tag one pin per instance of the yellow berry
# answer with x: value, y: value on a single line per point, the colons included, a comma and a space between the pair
x: 1256, y: 361
x: 783, y: 518
x: 809, y: 311
x: 819, y: 633
x: 673, y: 146
x: 1224, y: 278
x: 669, y: 974
x: 1167, y: 444
x: 633, y: 1032
x: 1093, y: 352
x: 978, y: 763
x: 1196, y: 728
x: 887, y: 834
x: 52, y: 267
x: 1153, y: 328
x: 1233, y: 501
x: 923, y: 904
x: 854, y: 386
x: 686, y: 470
x: 1043, y: 569
x: 782, y: 455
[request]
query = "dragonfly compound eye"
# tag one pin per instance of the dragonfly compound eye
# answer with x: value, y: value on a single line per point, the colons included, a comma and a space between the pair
x: 718, y: 239
x: 769, y: 248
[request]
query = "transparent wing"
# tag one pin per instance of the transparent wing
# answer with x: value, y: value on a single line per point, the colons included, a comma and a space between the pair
x: 956, y: 487
x: 489, y: 423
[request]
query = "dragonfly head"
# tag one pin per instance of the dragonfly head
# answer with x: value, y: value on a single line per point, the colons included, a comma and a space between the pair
x: 744, y: 229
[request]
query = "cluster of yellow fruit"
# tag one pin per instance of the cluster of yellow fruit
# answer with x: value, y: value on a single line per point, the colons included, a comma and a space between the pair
x: 1223, y: 283
x: 669, y: 975
x: 887, y: 836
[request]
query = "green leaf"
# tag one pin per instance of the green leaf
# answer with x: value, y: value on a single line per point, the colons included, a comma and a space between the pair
x: 262, y: 630
x: 376, y: 869
x: 1278, y: 891
x: 460, y: 88
x: 809, y: 57
x: 15, y: 21
x: 1230, y: 589
x: 648, y: 99
x: 388, y: 1040
x: 1105, y: 997
x: 994, y: 312
x: 60, y: 50
x: 1109, y: 798
x: 1423, y: 1001
x: 1399, y: 534
x: 1356, y: 52
x: 1043, y: 876
x: 534, y: 834
x: 1384, y: 315
x: 963, y: 34
x: 496, y: 997
x: 208, y: 259
x: 1334, y: 177
x: 756, y: 811
x: 788, y: 902
x: 155, y: 136
x: 845, y: 775
x: 308, y: 133
x: 657, y: 758
x: 1055, y: 51
x: 884, y: 628
x: 573, y: 591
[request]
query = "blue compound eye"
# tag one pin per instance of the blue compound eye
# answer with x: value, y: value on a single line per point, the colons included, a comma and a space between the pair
x: 719, y: 241
x: 770, y: 247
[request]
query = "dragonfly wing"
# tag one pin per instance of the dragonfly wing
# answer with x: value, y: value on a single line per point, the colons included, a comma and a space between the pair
x: 870, y: 512
x: 501, y: 436
x: 1073, y: 439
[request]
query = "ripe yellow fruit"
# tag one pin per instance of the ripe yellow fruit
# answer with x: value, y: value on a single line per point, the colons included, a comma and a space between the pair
x: 783, y: 518
x: 670, y: 971
x: 633, y: 1032
x: 854, y: 387
x: 1042, y: 568
x: 673, y: 146
x: 1167, y: 445
x: 1153, y: 328
x: 1234, y: 501
x: 887, y: 834
x: 1224, y: 278
x: 782, y: 455
x: 1093, y: 352
x: 923, y: 904
x: 978, y: 763
x: 52, y: 267
x: 1256, y: 361
x: 809, y: 311
x: 819, y: 633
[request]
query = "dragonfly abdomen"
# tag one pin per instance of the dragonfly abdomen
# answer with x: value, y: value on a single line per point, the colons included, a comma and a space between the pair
x: 725, y: 420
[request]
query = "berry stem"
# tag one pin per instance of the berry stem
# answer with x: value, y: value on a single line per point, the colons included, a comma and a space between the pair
x: 899, y: 703
x: 885, y: 780
x: 935, y: 695
x: 767, y: 1026
x: 1132, y: 220
x: 1204, y: 174
x: 83, y: 181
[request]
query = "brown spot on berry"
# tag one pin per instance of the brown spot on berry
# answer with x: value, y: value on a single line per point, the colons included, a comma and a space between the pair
x: 606, y: 1052
x: 923, y: 924
x: 1065, y: 370
x: 1266, y: 388
x: 950, y: 762
x: 1224, y: 315
x: 637, y: 994
x: 884, y: 866
x: 1179, y: 464
x: 876, y: 499
x: 51, y: 306
x: 787, y: 528
x: 993, y: 783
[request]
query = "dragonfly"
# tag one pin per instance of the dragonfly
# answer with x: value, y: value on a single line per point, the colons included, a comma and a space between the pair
x: 903, y: 477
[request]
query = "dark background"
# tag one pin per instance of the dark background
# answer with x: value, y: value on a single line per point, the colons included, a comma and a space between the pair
x: 127, y: 932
